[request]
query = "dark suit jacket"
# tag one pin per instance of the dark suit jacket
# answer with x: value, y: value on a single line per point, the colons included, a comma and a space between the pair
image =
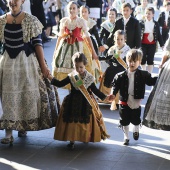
x: 133, y: 33
x: 161, y: 20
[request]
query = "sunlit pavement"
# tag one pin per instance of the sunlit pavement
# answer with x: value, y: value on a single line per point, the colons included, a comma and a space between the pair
x: 40, y: 151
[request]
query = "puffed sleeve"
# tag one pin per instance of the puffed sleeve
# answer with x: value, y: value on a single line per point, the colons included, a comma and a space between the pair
x: 62, y: 26
x: 83, y: 23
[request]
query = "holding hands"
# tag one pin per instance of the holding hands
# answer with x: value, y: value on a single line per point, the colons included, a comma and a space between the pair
x: 110, y: 98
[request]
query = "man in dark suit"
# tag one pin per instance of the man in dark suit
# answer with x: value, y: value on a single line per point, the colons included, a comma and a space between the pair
x: 131, y: 27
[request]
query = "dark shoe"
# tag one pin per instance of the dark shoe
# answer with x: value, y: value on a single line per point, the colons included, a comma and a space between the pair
x: 136, y: 135
x: 70, y: 146
x: 7, y: 140
x: 126, y: 142
x: 22, y: 133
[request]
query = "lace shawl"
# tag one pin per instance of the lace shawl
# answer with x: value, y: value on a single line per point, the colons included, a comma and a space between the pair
x: 123, y: 51
x: 31, y: 27
x: 87, y: 80
x: 108, y: 25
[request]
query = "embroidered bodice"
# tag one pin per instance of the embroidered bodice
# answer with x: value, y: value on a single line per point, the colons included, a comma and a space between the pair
x: 72, y: 24
x: 18, y: 37
x: 73, y: 35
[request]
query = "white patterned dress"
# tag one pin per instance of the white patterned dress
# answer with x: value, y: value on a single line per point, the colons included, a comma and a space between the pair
x: 28, y: 100
x: 157, y: 109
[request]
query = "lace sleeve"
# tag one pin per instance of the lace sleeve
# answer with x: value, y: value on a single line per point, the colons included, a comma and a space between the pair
x: 31, y: 27
x: 62, y: 26
x: 84, y: 27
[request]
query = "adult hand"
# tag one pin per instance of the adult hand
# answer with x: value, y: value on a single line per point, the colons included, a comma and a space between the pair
x: 45, y: 71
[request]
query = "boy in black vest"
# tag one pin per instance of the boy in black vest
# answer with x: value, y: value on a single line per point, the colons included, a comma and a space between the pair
x: 150, y: 35
x: 131, y: 86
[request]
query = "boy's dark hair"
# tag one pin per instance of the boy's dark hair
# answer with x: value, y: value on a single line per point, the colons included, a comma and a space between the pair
x: 134, y: 55
x: 124, y: 5
x: 119, y: 32
x: 79, y: 57
x: 166, y: 3
x: 85, y: 6
x: 112, y: 9
x: 150, y: 9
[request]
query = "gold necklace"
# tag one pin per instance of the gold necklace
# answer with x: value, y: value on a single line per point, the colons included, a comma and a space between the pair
x: 14, y: 16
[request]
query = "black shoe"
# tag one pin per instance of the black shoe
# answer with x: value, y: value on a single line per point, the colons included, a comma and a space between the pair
x: 126, y: 142
x: 22, y: 134
x: 136, y: 135
x: 70, y: 146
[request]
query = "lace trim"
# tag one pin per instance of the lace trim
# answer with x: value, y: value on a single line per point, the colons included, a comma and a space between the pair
x: 123, y: 51
x: 90, y: 23
x: 108, y: 25
x: 87, y: 80
x: 31, y: 27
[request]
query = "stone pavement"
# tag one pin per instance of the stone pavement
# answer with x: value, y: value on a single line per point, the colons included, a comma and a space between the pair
x: 39, y: 151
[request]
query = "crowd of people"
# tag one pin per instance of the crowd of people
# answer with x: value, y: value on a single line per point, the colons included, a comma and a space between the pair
x: 126, y: 41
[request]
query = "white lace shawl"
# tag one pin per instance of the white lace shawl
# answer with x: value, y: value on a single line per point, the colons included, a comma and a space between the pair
x: 87, y: 80
x: 123, y: 51
x: 31, y: 27
x: 72, y: 24
x: 108, y: 25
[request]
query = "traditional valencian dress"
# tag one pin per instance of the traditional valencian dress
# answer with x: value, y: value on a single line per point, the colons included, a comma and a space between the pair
x: 157, y: 109
x: 73, y: 33
x: 80, y: 118
x: 28, y: 100
x: 114, y: 67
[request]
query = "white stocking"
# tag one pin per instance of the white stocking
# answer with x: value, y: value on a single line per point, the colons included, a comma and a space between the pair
x: 143, y: 67
x: 150, y: 68
x: 136, y: 128
x: 126, y: 132
x: 8, y: 133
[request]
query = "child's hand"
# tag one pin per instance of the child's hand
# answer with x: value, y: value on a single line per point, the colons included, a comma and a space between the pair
x: 102, y: 49
x: 110, y: 98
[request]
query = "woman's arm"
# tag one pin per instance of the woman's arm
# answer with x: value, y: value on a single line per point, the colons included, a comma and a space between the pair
x: 93, y: 51
x: 41, y: 60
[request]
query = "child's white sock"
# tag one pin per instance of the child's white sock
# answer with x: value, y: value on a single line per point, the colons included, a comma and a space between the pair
x: 150, y: 68
x: 143, y: 67
x: 126, y: 132
x: 136, y: 128
x: 8, y: 133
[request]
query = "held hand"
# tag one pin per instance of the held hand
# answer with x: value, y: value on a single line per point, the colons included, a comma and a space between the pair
x: 45, y: 71
x: 102, y: 49
x: 111, y: 97
x: 95, y: 57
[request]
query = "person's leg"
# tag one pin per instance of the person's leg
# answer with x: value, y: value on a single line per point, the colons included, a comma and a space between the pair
x: 144, y: 50
x: 135, y: 120
x: 124, y: 122
x: 8, y: 137
x: 71, y: 145
x: 150, y: 57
